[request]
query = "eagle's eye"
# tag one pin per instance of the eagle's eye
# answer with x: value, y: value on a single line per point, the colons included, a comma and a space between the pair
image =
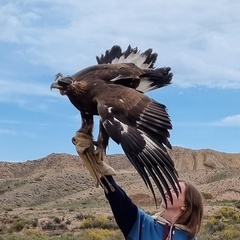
x: 65, y: 82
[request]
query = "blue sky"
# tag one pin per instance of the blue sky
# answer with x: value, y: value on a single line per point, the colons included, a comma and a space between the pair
x: 199, y: 40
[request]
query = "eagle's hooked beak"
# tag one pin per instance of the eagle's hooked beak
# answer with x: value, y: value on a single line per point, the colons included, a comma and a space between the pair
x: 60, y: 88
x: 55, y: 85
x: 62, y: 84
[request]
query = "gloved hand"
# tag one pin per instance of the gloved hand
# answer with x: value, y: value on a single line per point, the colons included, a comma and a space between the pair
x: 85, y: 149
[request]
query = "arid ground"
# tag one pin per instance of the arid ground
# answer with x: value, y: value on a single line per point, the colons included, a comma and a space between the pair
x: 58, y: 185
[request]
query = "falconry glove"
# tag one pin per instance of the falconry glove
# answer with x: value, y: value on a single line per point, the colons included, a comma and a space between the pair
x: 85, y: 149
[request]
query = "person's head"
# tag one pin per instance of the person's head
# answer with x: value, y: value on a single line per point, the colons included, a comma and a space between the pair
x: 189, y: 204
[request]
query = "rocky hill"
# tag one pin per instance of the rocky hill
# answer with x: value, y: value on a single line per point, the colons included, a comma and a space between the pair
x: 206, y: 159
x: 185, y: 160
x: 60, y: 177
x: 59, y: 187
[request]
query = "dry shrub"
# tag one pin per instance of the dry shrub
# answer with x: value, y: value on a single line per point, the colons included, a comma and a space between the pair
x: 98, y: 222
x: 214, y: 225
x: 231, y: 232
x: 8, y: 209
x: 81, y: 216
x: 102, y: 234
x: 217, y: 177
x: 207, y: 196
x: 228, y: 214
x: 33, y: 222
x: 57, y: 220
x: 237, y: 204
x: 17, y: 225
x: 33, y: 232
x: 224, y: 224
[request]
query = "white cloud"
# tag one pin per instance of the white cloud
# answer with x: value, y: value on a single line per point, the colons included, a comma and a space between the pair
x: 197, y: 38
x: 16, y: 23
x: 230, y: 121
x: 10, y: 91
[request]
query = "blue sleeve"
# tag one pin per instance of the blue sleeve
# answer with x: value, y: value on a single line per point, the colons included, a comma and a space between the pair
x: 124, y: 210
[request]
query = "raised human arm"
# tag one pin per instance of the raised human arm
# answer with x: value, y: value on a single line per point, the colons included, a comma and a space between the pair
x: 124, y: 210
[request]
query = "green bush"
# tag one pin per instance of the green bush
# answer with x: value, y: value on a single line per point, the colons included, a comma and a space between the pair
x: 217, y: 177
x: 81, y: 216
x: 237, y: 204
x: 231, y: 232
x: 98, y: 222
x: 17, y: 225
x: 33, y: 232
x: 214, y: 225
x: 102, y: 234
x: 223, y: 224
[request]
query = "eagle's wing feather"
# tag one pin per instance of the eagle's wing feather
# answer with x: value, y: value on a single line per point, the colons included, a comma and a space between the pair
x: 126, y: 74
x: 141, y: 126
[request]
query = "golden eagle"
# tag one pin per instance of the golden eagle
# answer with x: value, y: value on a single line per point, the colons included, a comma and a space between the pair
x: 114, y: 89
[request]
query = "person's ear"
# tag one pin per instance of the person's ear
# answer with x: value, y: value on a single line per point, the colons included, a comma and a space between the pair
x: 183, y: 208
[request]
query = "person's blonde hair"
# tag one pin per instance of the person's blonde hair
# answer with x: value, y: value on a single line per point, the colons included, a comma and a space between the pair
x: 192, y: 217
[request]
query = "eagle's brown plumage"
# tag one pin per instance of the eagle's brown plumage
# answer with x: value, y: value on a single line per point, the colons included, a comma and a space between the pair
x: 114, y: 89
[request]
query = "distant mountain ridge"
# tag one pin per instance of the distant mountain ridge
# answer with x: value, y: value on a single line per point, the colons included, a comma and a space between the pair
x: 62, y: 179
x: 205, y: 159
x: 185, y: 160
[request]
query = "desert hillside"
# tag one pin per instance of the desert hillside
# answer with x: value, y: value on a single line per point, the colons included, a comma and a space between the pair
x: 206, y: 159
x: 62, y: 176
x: 58, y: 185
x: 184, y: 159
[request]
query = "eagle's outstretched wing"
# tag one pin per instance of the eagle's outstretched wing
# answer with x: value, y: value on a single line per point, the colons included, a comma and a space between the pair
x: 114, y: 89
x: 140, y: 125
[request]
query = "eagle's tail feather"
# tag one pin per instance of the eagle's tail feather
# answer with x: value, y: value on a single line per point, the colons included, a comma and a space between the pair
x: 114, y: 55
x: 154, y: 78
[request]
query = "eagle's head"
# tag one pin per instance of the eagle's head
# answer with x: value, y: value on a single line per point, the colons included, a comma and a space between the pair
x: 62, y: 83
